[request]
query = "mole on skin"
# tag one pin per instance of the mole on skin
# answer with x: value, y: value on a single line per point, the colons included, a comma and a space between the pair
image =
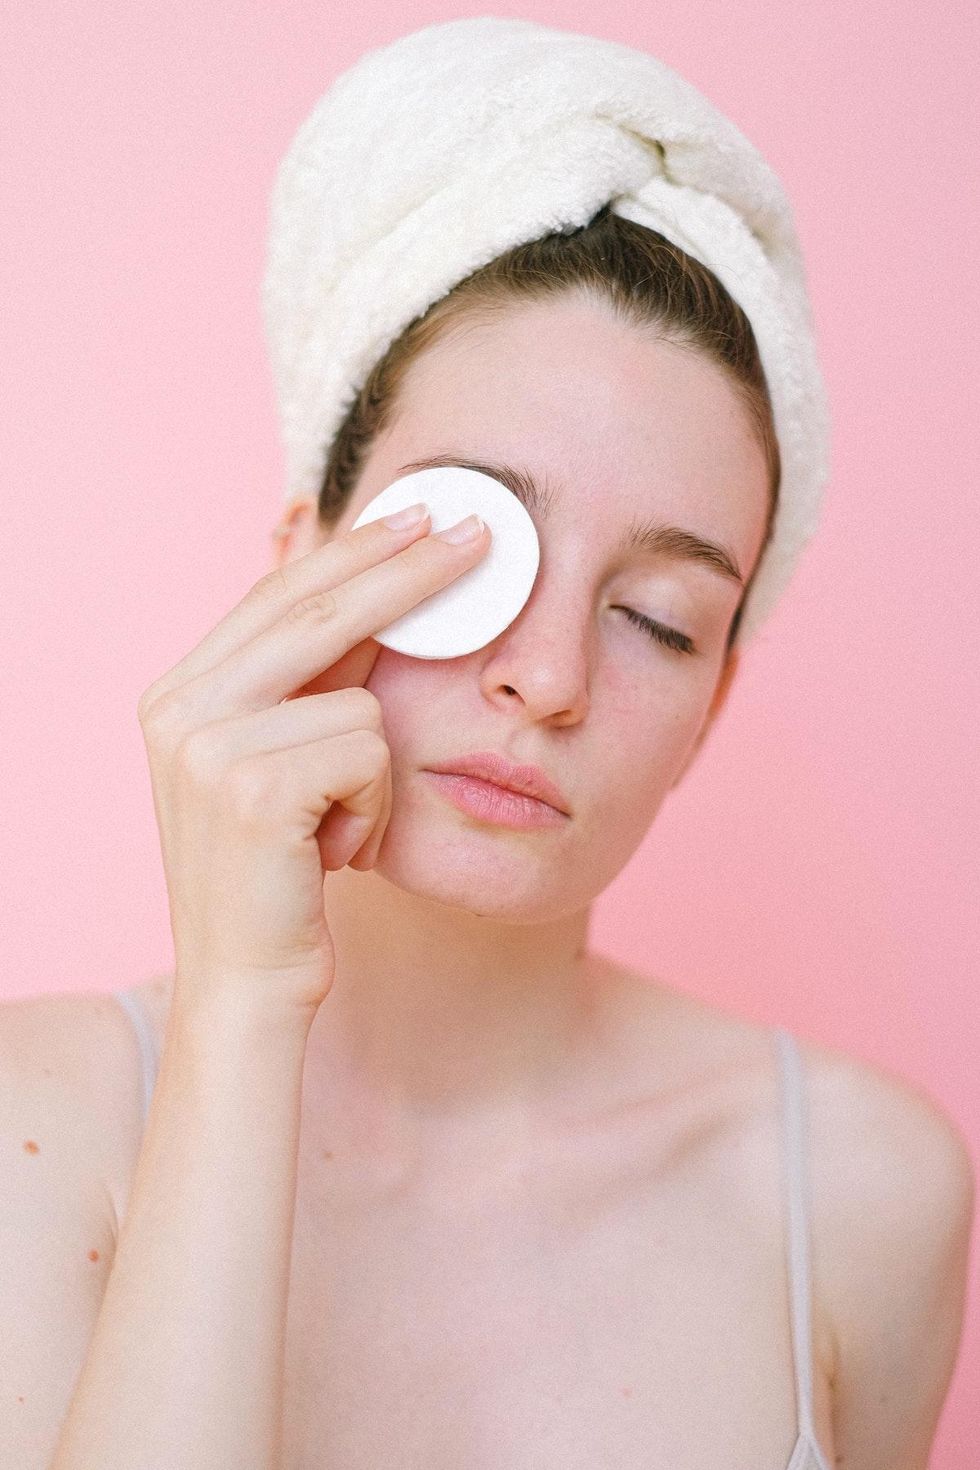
x: 31, y: 1147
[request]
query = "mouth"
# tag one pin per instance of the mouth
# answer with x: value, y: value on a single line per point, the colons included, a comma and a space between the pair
x: 489, y: 767
x: 495, y: 804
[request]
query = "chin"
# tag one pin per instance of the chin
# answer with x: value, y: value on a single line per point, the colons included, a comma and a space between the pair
x: 489, y: 872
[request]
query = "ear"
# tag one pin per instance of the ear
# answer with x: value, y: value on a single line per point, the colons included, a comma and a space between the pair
x: 714, y: 709
x: 298, y: 533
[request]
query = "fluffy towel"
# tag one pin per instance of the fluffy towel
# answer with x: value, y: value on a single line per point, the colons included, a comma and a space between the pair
x: 435, y: 153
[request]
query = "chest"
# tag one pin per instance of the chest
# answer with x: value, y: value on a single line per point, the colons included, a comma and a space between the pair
x: 621, y: 1309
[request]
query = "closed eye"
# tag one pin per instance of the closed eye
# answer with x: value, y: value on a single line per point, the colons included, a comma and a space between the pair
x: 669, y: 637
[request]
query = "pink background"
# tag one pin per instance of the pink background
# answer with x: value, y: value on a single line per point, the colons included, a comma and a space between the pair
x: 819, y: 867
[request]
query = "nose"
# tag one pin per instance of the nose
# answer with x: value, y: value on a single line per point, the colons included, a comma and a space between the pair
x: 541, y: 660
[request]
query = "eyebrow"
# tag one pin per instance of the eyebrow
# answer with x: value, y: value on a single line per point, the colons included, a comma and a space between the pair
x: 654, y: 537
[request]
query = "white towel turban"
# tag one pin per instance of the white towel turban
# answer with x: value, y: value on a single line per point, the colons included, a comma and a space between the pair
x: 434, y: 154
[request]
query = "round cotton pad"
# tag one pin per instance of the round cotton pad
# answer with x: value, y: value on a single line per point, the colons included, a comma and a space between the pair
x: 481, y: 602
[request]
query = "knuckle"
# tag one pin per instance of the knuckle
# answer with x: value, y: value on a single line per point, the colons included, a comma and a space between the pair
x: 319, y: 607
x: 199, y: 758
x: 148, y: 700
x: 377, y: 748
x: 250, y: 789
x: 272, y: 587
x: 159, y: 710
x: 366, y: 708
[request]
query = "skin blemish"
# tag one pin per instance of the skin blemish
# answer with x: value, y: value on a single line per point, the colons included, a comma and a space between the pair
x: 627, y: 1391
x: 327, y: 1154
x: 93, y: 1254
x: 30, y: 1147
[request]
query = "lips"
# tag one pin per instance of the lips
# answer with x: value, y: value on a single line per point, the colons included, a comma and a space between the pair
x: 488, y: 765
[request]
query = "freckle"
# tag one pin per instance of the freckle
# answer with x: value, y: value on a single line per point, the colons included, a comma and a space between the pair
x: 20, y: 1398
x: 30, y: 1147
x: 327, y: 1154
x: 93, y: 1255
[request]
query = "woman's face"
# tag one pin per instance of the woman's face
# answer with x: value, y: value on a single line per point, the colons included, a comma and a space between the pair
x: 618, y: 429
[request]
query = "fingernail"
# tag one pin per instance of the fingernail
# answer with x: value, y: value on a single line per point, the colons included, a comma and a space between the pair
x: 410, y: 516
x: 467, y: 530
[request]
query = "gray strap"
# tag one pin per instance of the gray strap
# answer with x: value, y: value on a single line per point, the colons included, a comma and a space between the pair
x: 796, y: 1182
x: 144, y: 1033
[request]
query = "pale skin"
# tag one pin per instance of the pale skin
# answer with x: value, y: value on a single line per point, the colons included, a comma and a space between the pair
x: 473, y: 1001
x: 475, y: 1024
x: 538, y: 1201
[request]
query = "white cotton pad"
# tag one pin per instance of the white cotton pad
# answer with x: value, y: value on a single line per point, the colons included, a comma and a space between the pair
x: 481, y: 602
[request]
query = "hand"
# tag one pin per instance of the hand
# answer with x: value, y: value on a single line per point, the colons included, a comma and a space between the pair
x: 258, y: 789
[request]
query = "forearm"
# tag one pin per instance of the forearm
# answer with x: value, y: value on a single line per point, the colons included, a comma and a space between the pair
x: 184, y: 1370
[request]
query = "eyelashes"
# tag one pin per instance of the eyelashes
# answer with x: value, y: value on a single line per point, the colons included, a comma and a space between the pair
x: 660, y: 632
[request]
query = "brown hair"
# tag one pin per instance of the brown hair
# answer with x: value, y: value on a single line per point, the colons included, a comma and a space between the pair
x: 647, y: 280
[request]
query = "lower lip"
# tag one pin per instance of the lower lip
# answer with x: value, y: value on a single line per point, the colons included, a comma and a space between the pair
x: 494, y: 803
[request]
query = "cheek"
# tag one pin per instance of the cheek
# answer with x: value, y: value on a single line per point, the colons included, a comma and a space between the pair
x: 405, y: 688
x: 388, y: 677
x: 384, y: 674
x: 648, y: 729
x: 649, y: 716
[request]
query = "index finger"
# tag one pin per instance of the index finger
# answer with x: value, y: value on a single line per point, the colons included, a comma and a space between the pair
x: 353, y: 667
x: 266, y: 600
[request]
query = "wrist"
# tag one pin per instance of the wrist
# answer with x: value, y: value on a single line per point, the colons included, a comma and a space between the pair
x: 236, y: 1013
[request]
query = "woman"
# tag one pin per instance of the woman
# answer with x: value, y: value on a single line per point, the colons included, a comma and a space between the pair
x: 424, y: 1180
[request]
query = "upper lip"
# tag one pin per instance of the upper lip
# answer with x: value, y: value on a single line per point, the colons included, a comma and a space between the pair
x: 489, y: 766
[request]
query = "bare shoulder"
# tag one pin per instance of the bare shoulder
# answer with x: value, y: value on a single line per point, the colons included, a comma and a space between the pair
x: 892, y: 1200
x: 872, y: 1133
x: 897, y: 1121
x: 892, y: 1167
x: 70, y: 1077
x: 893, y: 1190
x: 68, y: 1095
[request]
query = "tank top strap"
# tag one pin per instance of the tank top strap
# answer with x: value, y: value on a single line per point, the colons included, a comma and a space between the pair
x: 797, y: 1206
x: 135, y: 1009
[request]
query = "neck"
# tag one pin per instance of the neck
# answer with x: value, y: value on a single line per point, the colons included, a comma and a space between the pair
x: 445, y: 1027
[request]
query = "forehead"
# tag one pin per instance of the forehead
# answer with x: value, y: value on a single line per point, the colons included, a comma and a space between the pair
x: 612, y: 413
